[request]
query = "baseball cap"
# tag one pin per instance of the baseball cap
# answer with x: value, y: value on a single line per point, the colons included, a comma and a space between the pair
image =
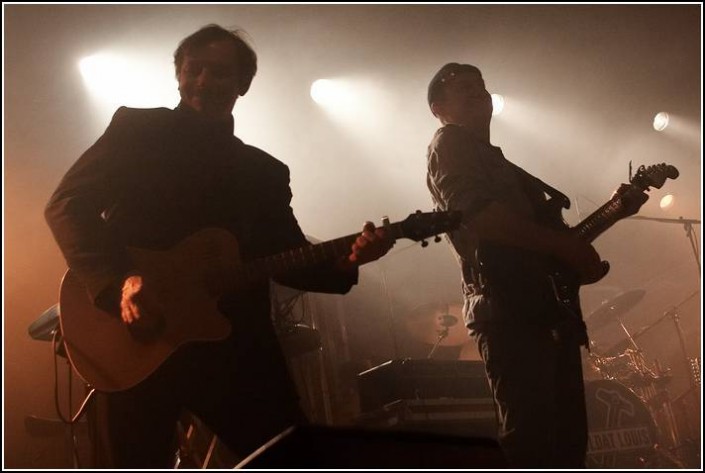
x: 446, y: 72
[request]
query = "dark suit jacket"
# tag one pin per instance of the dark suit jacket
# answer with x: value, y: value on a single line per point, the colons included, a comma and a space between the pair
x: 157, y: 176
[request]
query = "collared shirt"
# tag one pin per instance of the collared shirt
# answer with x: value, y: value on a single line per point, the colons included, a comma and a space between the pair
x: 466, y: 174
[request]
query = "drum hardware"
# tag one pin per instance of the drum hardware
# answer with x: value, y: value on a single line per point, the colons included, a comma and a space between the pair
x: 628, y: 368
x: 681, y: 442
x: 611, y: 309
x: 445, y: 321
x: 625, y: 364
x: 674, y: 315
x: 673, y: 312
x: 653, y: 392
x: 662, y: 402
x: 687, y: 406
x: 436, y: 324
x: 694, y: 372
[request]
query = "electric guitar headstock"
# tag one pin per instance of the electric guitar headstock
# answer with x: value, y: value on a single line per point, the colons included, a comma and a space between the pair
x: 633, y: 195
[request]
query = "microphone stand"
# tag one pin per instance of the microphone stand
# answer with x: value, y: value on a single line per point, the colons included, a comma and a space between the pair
x: 689, y: 233
x: 673, y: 314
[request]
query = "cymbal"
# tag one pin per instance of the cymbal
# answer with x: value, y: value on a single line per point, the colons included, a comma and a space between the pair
x: 613, y: 308
x: 426, y: 322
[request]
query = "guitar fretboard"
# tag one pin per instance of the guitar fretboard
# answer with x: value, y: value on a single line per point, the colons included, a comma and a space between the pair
x: 615, y: 209
x: 307, y: 256
x: 600, y: 220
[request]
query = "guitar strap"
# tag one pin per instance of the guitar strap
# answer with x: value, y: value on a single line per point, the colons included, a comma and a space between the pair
x: 473, y: 272
x: 572, y: 326
x: 551, y: 191
x: 530, y: 184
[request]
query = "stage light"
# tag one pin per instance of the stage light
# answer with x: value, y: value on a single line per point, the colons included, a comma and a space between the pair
x: 667, y: 201
x: 353, y: 101
x: 131, y: 79
x: 322, y: 90
x: 339, y: 96
x: 661, y: 121
x: 497, y: 104
x: 102, y: 73
x: 329, y: 92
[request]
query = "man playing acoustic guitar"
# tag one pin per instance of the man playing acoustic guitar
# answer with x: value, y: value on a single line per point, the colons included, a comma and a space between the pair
x: 153, y: 179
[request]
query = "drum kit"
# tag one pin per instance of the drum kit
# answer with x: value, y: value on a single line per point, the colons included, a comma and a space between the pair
x: 631, y: 418
x: 630, y: 411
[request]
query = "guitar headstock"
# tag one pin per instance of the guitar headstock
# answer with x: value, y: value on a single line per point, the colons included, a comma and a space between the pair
x: 634, y: 195
x: 421, y: 225
x: 653, y: 176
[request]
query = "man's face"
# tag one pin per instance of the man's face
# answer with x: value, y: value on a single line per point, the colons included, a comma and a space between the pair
x: 465, y: 100
x: 208, y: 79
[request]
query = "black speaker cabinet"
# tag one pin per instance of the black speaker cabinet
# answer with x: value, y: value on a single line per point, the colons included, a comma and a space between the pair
x: 468, y: 417
x: 421, y: 379
x: 319, y: 447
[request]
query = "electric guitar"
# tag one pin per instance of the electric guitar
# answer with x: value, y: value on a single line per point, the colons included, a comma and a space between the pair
x: 547, y: 280
x: 189, y: 279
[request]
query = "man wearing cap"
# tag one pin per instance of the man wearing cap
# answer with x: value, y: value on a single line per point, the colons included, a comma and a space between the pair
x: 530, y: 346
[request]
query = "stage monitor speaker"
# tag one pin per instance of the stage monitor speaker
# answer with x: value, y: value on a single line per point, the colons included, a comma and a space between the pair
x: 467, y: 417
x: 319, y: 447
x: 421, y: 379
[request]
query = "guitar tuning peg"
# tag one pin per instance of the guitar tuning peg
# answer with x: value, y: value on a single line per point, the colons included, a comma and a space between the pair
x: 386, y: 224
x: 437, y: 239
x: 424, y: 243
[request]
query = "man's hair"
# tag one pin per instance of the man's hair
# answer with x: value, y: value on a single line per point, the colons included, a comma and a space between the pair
x: 246, y: 56
x: 438, y: 83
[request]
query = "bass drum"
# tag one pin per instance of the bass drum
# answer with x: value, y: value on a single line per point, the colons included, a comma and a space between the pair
x: 621, y: 431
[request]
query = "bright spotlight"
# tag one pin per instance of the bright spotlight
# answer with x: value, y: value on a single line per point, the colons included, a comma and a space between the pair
x: 338, y: 95
x: 667, y: 201
x: 324, y: 91
x: 661, y: 121
x: 354, y: 102
x: 497, y: 104
x: 102, y: 73
x: 134, y: 80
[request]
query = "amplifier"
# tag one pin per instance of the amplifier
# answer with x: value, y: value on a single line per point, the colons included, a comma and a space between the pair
x: 466, y: 417
x: 421, y: 379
